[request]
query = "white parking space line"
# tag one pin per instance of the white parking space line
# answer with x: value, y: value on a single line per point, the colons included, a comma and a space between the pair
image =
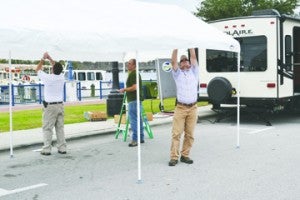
x: 250, y: 130
x: 245, y: 129
x: 4, y: 192
x: 261, y: 130
x: 37, y: 150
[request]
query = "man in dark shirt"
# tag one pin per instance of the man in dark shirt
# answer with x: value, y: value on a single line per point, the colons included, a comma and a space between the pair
x: 131, y: 92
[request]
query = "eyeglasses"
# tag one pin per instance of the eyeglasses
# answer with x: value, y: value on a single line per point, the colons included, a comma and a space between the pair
x: 184, y: 60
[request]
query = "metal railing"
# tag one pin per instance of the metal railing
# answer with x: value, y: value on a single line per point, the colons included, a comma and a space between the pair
x: 34, y: 93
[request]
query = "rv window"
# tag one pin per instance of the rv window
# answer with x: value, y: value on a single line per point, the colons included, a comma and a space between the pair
x: 253, y: 56
x: 253, y: 53
x: 221, y: 61
x: 288, y: 52
x: 99, y: 76
x: 90, y: 76
x: 81, y: 76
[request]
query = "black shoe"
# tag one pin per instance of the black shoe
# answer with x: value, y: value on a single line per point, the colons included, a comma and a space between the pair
x: 62, y: 152
x: 132, y: 144
x: 142, y: 141
x: 186, y: 160
x: 173, y: 162
x: 45, y: 153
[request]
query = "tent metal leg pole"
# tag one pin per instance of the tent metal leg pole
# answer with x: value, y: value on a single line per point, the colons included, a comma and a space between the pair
x: 10, y: 108
x: 138, y: 117
x: 161, y: 108
x: 238, y: 104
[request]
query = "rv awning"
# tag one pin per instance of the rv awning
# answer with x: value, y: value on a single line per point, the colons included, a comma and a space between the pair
x: 92, y: 30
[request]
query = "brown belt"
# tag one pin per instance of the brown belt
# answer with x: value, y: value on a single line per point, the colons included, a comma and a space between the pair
x: 51, y: 103
x: 187, y: 104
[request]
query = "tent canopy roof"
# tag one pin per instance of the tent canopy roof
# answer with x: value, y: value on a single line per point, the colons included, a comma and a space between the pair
x: 93, y: 30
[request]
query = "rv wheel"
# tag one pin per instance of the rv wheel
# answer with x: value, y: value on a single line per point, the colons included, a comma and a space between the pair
x: 219, y: 90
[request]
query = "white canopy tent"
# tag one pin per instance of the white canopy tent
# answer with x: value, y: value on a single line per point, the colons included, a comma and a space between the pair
x: 93, y: 30
x: 96, y: 31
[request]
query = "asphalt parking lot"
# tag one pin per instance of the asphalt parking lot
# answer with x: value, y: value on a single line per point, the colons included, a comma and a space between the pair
x: 265, y: 166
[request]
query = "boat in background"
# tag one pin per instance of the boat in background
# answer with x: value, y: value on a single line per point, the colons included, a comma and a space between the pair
x: 80, y: 84
x: 21, y: 74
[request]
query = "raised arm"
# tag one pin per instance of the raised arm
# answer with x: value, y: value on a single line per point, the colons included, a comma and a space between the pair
x: 193, y: 57
x: 40, y: 65
x: 47, y: 56
x: 174, y: 60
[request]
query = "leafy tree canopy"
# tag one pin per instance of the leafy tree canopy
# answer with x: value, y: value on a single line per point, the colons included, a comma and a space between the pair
x: 218, y: 9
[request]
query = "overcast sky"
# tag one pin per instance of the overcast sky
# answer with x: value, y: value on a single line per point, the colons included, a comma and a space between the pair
x: 190, y: 5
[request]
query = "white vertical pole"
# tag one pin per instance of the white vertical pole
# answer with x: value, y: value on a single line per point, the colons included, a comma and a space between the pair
x: 138, y: 117
x: 124, y: 71
x: 238, y: 103
x: 10, y: 108
x: 159, y: 83
x: 124, y: 82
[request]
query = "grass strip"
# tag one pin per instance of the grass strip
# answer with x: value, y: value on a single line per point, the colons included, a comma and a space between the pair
x: 29, y: 119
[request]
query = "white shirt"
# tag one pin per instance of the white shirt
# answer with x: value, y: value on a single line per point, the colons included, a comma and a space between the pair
x: 53, y: 86
x: 186, y: 84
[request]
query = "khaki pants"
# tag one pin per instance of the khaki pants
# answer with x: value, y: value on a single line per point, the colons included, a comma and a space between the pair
x: 53, y: 117
x: 184, y: 120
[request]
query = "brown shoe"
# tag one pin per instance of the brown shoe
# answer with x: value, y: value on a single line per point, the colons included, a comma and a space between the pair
x: 186, y: 160
x: 61, y: 152
x: 173, y: 162
x: 132, y: 144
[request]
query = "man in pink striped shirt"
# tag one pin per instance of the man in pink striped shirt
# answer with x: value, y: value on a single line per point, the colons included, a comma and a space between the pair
x: 185, y: 115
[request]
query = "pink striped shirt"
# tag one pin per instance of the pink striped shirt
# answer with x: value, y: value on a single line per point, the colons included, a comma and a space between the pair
x: 186, y: 84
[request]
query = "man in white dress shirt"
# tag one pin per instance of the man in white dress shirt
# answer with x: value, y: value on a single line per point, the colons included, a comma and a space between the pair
x: 53, y: 110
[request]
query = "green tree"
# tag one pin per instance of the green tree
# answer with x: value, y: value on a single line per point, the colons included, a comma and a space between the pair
x: 218, y: 9
x: 3, y: 61
x: 75, y: 64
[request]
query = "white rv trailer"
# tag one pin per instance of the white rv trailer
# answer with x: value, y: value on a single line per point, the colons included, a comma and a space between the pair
x: 269, y: 63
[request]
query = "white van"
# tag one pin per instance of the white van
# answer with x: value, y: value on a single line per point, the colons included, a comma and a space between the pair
x: 269, y: 63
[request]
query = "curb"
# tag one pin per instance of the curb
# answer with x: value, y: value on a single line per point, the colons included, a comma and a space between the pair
x: 203, y: 113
